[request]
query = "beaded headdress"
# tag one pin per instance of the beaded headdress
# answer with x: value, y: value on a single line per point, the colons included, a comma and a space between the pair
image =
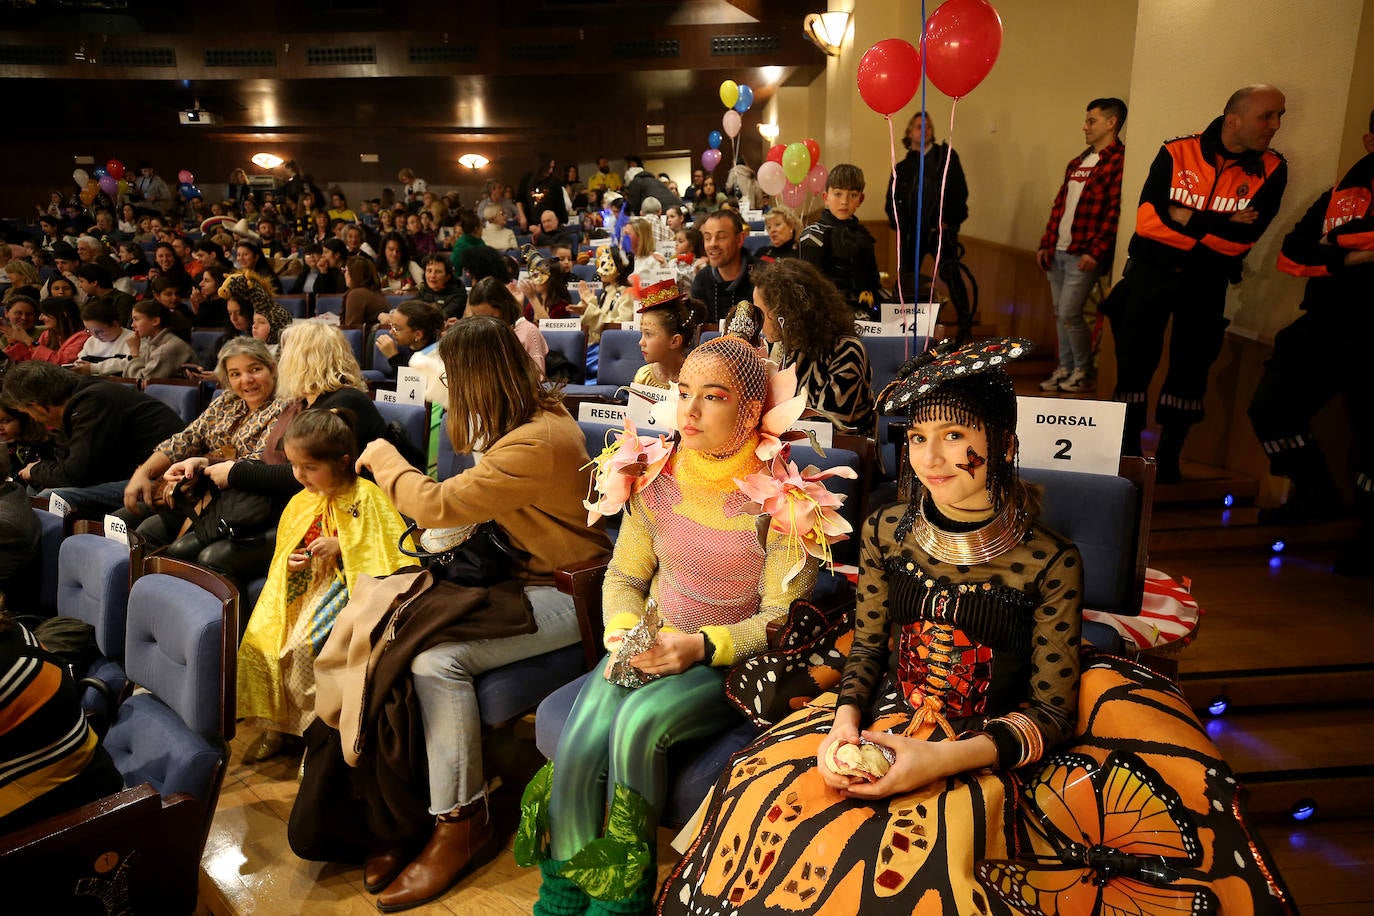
x: 969, y: 386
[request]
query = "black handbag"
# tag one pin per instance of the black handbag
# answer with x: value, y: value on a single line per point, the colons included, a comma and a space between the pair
x: 483, y: 559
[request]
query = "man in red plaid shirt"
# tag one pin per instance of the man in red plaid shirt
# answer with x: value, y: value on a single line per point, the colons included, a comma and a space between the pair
x: 1079, y: 240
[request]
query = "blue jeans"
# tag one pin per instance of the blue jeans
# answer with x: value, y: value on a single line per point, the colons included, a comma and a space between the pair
x: 443, y: 679
x: 1070, y: 288
x: 93, y: 501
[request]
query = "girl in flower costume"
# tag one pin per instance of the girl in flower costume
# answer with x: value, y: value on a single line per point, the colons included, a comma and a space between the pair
x: 691, y: 549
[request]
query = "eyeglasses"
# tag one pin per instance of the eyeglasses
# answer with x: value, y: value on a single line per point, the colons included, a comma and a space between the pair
x: 443, y: 379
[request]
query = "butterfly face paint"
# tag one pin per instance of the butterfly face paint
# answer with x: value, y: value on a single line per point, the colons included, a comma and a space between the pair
x: 975, y: 461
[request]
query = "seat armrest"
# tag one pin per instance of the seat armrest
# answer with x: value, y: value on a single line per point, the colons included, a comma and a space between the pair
x: 583, y: 582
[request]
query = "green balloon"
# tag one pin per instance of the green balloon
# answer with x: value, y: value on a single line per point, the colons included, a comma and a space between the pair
x: 796, y: 162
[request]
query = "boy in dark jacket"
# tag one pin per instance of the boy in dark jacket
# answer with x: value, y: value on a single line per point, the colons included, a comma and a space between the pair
x: 839, y: 245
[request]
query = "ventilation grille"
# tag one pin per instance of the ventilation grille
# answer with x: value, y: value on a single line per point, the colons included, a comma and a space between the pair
x: 725, y: 45
x: 541, y: 52
x: 240, y: 57
x: 443, y: 54
x: 646, y: 49
x: 32, y: 55
x: 357, y: 54
x: 139, y: 57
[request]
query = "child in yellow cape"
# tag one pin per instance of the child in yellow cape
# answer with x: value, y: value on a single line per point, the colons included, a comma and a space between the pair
x: 339, y: 527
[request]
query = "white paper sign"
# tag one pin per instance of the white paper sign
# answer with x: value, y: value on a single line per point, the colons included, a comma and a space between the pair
x: 612, y: 414
x: 387, y: 397
x: 668, y: 249
x: 1066, y: 434
x: 649, y: 408
x: 116, y: 530
x: 921, y: 314
x: 560, y: 324
x: 824, y: 432
x: 59, y: 506
x: 411, y: 385
x: 752, y: 216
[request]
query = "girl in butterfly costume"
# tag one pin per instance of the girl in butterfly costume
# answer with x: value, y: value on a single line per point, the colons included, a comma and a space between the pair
x: 965, y: 673
x: 691, y: 546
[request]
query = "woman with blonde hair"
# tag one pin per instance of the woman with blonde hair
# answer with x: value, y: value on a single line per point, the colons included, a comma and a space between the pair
x: 784, y: 228
x: 519, y: 431
x: 21, y: 274
x: 640, y: 235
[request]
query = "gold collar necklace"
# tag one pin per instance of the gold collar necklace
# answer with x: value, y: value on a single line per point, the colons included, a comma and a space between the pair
x: 969, y: 548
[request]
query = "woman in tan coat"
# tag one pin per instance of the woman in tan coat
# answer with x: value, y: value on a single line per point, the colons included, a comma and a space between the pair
x: 530, y: 479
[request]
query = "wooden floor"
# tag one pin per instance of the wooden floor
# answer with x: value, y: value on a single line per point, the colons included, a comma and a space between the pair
x: 1261, y: 613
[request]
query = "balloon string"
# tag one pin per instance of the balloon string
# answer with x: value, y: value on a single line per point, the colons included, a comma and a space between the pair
x: 896, y: 209
x: 921, y: 191
x: 940, y: 215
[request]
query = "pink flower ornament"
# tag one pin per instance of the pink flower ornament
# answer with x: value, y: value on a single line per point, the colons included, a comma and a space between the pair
x: 625, y: 466
x: 799, y: 506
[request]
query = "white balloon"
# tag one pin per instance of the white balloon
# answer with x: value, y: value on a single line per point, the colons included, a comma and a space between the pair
x: 771, y: 178
x: 731, y: 123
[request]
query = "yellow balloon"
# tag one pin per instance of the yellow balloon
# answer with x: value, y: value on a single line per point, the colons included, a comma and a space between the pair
x: 729, y: 93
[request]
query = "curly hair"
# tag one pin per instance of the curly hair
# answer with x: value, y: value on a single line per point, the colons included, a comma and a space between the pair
x: 808, y: 307
x: 315, y: 359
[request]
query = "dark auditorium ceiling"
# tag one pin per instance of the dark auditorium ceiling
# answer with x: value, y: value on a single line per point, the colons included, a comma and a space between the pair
x: 463, y: 69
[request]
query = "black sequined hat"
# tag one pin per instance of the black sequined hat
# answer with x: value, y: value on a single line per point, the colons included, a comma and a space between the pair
x: 967, y: 385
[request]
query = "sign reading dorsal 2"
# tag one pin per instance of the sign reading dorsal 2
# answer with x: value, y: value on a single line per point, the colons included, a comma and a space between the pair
x: 1068, y: 434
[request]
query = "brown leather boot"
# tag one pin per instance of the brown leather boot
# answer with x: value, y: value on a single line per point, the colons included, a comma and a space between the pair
x: 457, y: 838
x: 380, y: 869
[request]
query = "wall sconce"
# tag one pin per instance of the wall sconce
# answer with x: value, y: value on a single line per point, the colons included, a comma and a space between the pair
x: 473, y: 161
x: 826, y: 30
x: 266, y: 160
x: 770, y: 132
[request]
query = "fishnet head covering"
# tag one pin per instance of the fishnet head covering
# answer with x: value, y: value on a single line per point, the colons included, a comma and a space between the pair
x: 971, y: 387
x: 745, y: 373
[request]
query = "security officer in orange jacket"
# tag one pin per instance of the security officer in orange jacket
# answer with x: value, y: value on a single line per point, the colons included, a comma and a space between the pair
x: 1207, y: 200
x: 1323, y: 353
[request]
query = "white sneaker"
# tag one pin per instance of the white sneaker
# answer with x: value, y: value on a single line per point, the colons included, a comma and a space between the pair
x: 1079, y: 380
x: 1052, y: 383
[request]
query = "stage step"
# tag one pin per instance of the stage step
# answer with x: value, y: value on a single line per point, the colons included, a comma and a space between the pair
x: 1273, y: 688
x: 1321, y: 752
x: 1194, y: 527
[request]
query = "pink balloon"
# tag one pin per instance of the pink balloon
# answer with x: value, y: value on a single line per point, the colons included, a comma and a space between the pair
x: 710, y: 159
x: 185, y: 177
x: 731, y: 123
x: 815, y: 179
x: 963, y: 38
x: 794, y: 195
x: 889, y: 75
x: 771, y: 178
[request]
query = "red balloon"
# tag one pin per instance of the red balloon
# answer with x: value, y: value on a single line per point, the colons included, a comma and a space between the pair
x: 115, y: 169
x: 963, y: 38
x: 814, y: 149
x: 889, y: 74
x: 776, y: 151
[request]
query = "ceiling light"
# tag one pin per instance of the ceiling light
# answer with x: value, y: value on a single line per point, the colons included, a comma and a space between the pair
x: 473, y: 161
x: 769, y: 131
x: 266, y: 160
x: 826, y: 30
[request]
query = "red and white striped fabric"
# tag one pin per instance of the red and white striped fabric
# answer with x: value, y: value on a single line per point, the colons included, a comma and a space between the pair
x: 1168, y: 616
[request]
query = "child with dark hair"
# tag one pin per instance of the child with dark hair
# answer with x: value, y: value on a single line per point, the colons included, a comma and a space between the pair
x: 339, y: 527
x: 60, y: 340
x: 155, y: 350
x: 839, y: 245
x: 667, y: 332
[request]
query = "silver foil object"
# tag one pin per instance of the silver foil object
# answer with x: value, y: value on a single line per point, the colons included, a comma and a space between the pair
x: 640, y: 638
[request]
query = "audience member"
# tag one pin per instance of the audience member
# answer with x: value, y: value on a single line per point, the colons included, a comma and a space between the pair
x: 1080, y: 239
x: 641, y: 185
x: 913, y: 207
x: 155, y: 350
x: 521, y: 430
x: 364, y: 300
x: 667, y: 333
x: 493, y: 299
x: 416, y: 327
x: 724, y: 283
x: 338, y: 528
x: 839, y: 245
x: 106, y: 350
x: 105, y: 429
x: 60, y: 340
x: 540, y: 190
x: 784, y: 227
x: 441, y: 288
x: 811, y: 327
